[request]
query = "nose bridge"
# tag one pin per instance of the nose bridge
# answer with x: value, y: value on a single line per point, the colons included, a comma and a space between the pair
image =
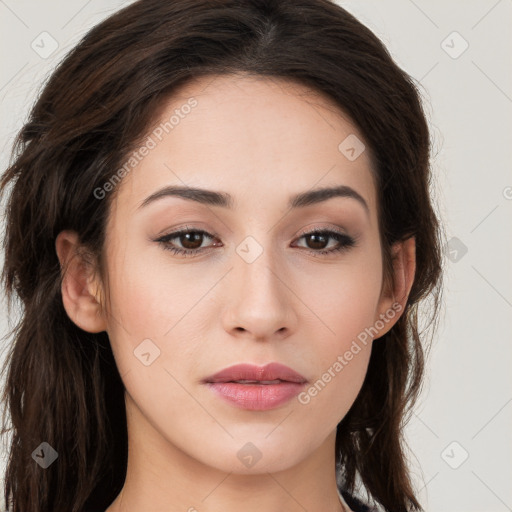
x: 261, y: 302
x: 258, y: 267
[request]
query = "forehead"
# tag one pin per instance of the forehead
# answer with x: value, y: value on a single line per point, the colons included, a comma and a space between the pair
x: 256, y: 138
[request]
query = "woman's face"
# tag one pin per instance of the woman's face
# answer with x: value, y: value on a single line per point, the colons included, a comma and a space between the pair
x: 253, y: 289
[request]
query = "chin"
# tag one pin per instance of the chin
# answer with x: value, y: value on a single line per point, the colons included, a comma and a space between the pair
x: 254, y: 455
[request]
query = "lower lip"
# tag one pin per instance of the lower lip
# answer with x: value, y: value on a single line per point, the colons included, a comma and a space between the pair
x: 256, y: 397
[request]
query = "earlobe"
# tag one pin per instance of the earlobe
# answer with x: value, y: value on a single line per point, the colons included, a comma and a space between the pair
x: 80, y: 289
x: 404, y: 269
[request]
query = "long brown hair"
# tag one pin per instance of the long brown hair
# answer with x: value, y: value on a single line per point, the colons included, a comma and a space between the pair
x: 62, y: 384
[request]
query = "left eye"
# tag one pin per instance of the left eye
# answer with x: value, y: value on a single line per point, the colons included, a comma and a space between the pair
x: 191, y: 241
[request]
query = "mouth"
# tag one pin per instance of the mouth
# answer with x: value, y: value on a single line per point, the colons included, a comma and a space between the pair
x: 256, y: 388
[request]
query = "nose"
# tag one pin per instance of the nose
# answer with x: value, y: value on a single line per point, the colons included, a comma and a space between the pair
x: 260, y: 301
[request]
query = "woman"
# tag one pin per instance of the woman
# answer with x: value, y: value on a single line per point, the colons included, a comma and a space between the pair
x: 219, y: 227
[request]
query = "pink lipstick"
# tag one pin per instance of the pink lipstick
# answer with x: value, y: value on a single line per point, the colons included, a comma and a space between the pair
x: 256, y: 388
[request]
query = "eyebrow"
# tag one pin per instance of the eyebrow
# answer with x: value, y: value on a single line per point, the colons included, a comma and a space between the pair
x: 225, y: 200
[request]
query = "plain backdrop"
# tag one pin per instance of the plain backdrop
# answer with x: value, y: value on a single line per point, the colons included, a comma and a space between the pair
x: 460, y: 52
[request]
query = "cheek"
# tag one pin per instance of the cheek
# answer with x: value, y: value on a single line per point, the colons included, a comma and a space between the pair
x: 345, y: 303
x: 342, y: 346
x: 343, y: 298
x: 161, y: 302
x: 150, y: 294
x: 331, y: 395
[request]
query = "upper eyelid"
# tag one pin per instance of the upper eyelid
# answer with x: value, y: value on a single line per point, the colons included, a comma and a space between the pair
x: 181, y: 231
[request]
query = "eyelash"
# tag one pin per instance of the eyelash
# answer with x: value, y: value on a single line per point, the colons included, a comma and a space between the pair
x: 346, y: 242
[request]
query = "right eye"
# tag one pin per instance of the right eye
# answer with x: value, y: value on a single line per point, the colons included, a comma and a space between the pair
x: 190, y: 240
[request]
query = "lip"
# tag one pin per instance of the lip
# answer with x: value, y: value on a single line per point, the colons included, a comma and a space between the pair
x: 256, y: 396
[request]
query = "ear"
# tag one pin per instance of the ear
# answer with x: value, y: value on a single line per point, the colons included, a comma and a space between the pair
x: 81, y: 291
x: 395, y: 292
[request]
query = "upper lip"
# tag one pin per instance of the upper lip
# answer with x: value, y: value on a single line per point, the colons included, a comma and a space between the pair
x: 270, y: 371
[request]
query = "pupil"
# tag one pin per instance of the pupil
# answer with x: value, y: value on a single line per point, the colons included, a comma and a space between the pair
x: 316, y: 239
x: 194, y: 245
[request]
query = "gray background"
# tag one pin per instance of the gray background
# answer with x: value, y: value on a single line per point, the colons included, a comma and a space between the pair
x: 459, y: 434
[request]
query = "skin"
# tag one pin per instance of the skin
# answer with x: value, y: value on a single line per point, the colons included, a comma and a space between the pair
x: 261, y: 141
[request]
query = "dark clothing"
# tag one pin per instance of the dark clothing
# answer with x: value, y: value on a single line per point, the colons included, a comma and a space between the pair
x: 356, y: 505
